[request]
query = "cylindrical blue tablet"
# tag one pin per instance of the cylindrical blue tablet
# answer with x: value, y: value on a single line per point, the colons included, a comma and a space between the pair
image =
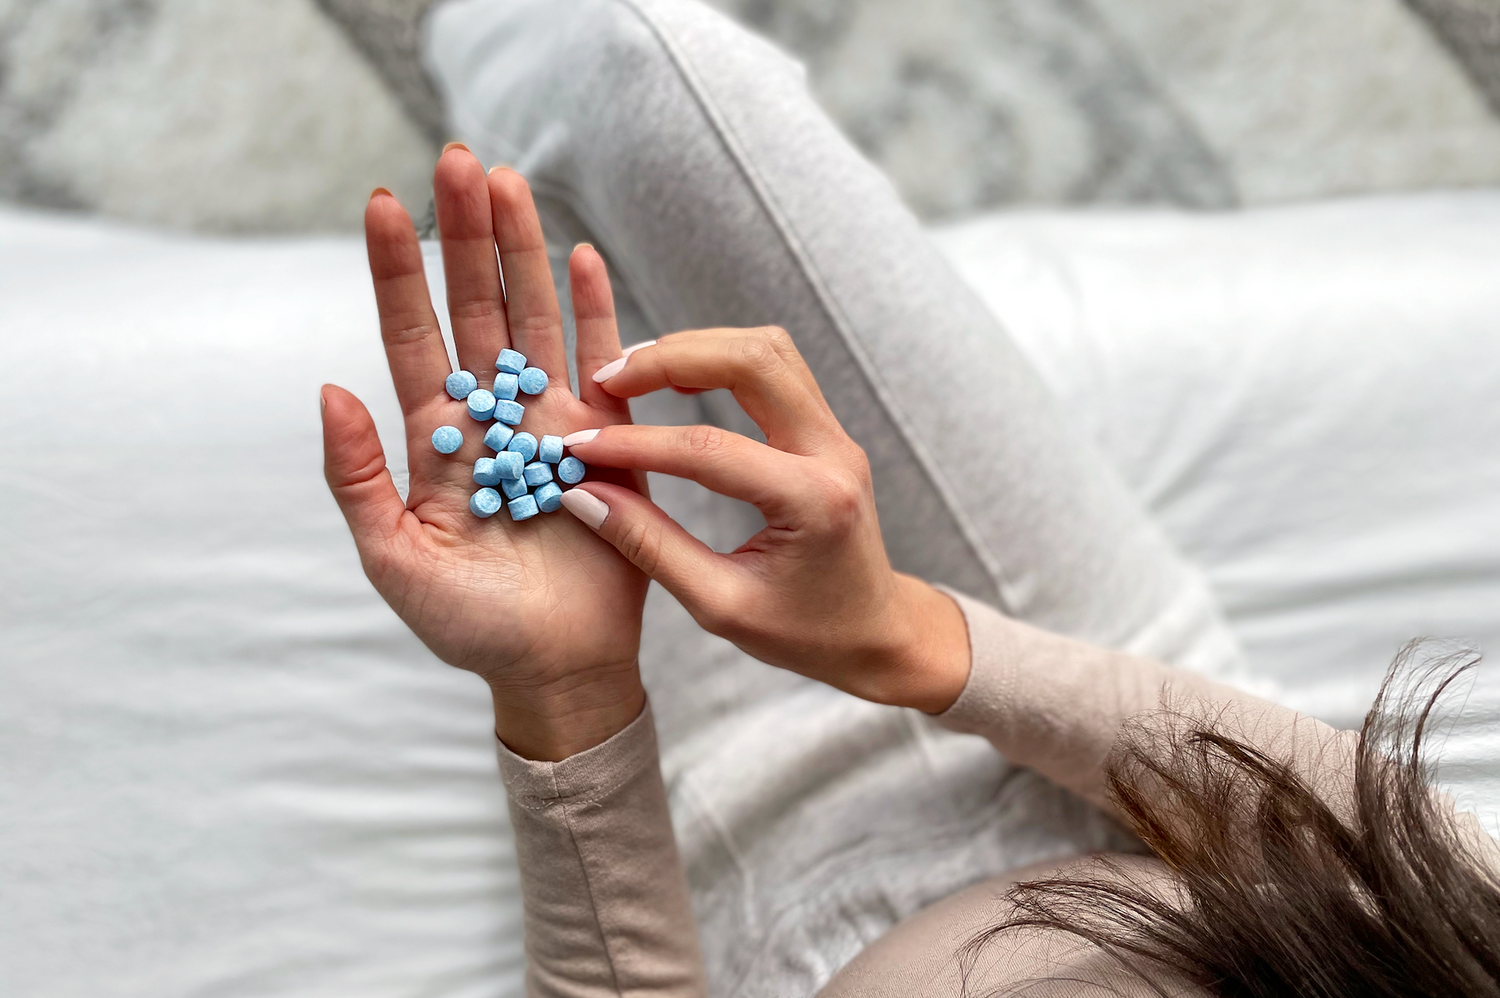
x: 570, y: 470
x: 509, y: 412
x: 460, y: 384
x: 482, y: 404
x: 508, y: 465
x: 485, y: 472
x: 513, y: 487
x: 510, y: 361
x: 485, y: 502
x: 533, y: 380
x: 522, y: 508
x: 447, y: 439
x: 505, y: 386
x: 536, y: 473
x: 550, y: 449
x: 524, y: 444
x: 548, y: 497
x: 497, y: 436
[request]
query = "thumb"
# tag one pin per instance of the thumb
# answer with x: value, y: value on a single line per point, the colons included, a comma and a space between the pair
x: 702, y: 581
x: 354, y: 465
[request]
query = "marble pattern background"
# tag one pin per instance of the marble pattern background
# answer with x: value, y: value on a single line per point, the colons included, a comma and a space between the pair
x: 264, y: 117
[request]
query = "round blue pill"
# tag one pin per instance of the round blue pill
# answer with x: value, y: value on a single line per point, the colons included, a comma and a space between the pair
x: 522, y: 508
x: 447, y: 439
x: 497, y: 436
x: 510, y: 361
x: 485, y: 472
x: 550, y: 449
x: 507, y: 465
x: 485, y: 502
x: 548, y: 498
x: 460, y: 384
x: 505, y: 386
x: 513, y: 487
x: 536, y: 473
x: 509, y: 412
x: 571, y: 470
x: 482, y: 404
x: 524, y: 444
x: 533, y: 380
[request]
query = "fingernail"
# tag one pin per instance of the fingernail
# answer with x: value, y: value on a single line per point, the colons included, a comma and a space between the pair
x: 583, y: 246
x: 588, y: 507
x: 500, y: 166
x: 580, y: 437
x: 379, y: 191
x: 323, y: 399
x: 611, y: 369
x: 638, y: 346
x: 455, y: 145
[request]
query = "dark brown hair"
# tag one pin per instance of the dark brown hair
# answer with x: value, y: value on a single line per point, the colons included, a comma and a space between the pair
x: 1277, y: 891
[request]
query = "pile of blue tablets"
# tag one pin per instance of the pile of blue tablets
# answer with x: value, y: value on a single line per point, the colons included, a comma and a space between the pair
x: 522, y: 463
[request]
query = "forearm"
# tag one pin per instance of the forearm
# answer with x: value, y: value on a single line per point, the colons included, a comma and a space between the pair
x: 1062, y: 707
x: 607, y: 910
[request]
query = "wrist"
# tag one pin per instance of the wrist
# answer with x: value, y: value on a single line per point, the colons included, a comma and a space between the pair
x: 576, y: 711
x: 932, y: 659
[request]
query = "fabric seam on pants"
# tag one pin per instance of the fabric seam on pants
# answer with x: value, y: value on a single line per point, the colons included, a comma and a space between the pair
x: 835, y: 315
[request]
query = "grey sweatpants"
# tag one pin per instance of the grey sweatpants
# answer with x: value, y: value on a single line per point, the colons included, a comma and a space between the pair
x: 691, y: 154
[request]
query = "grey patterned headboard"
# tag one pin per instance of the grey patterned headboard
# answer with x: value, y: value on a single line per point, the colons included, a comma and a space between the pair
x: 972, y: 104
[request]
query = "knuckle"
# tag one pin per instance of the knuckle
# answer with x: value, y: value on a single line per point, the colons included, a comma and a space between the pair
x: 639, y: 542
x: 480, y: 308
x: 704, y: 442
x: 404, y: 330
x: 859, y: 466
x: 756, y: 353
x: 840, y: 499
x: 778, y: 339
x: 535, y: 328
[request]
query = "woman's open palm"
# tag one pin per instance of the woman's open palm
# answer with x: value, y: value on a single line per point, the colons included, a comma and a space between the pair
x: 526, y: 605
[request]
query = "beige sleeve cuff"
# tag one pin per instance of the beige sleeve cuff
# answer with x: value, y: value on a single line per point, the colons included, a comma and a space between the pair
x: 606, y: 900
x: 588, y: 775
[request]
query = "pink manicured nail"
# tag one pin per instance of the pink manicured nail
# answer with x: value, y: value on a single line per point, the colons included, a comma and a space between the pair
x: 611, y: 369
x: 588, y: 507
x: 580, y: 437
x: 614, y: 367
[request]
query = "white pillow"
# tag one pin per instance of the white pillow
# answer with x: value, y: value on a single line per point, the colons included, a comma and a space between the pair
x: 1308, y: 398
x: 229, y: 769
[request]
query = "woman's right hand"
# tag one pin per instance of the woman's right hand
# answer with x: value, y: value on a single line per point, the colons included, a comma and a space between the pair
x: 814, y: 591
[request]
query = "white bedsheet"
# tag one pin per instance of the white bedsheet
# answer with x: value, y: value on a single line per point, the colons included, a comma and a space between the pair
x: 1308, y: 399
x: 226, y: 768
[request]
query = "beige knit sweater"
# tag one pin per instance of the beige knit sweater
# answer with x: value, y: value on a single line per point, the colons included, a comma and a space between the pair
x: 606, y: 902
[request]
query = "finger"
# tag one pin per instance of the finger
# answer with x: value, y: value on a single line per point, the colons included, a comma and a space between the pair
x: 760, y: 366
x: 723, y: 462
x: 598, y: 335
x: 354, y: 465
x: 705, y: 583
x: 531, y: 310
x: 413, y: 340
x: 462, y: 200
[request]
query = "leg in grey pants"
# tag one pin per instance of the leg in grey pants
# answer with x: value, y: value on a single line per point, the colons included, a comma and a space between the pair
x: 692, y: 155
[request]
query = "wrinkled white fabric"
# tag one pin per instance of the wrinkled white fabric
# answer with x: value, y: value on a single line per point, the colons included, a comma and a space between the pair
x: 229, y: 770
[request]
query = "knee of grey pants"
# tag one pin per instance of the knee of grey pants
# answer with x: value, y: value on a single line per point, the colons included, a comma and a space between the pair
x: 692, y: 155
